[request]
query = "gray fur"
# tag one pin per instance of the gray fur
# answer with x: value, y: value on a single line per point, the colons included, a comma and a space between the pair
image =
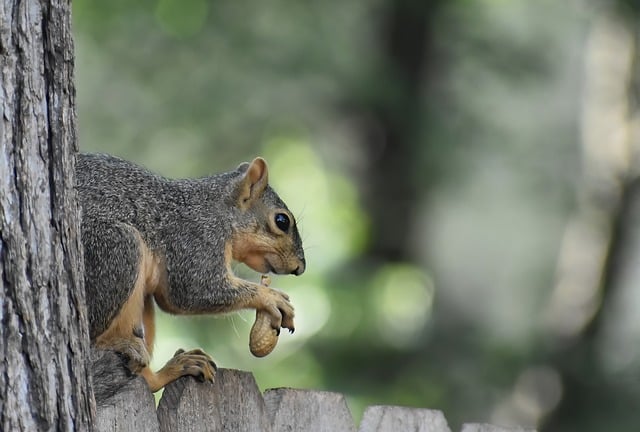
x: 185, y: 221
x: 109, y: 373
x: 111, y: 252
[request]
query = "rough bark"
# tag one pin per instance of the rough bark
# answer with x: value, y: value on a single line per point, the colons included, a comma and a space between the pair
x: 44, y: 383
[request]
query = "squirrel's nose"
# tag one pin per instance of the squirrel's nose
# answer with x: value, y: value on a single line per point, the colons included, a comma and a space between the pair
x: 301, y: 267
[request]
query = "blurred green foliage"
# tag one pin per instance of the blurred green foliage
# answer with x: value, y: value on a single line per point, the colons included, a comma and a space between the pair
x: 486, y: 128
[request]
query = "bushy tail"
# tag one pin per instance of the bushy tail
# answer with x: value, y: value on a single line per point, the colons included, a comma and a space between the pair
x: 109, y: 372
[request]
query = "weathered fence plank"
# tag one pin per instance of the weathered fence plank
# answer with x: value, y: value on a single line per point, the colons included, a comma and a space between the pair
x: 132, y: 409
x: 188, y: 406
x: 234, y: 404
x: 241, y: 404
x: 294, y: 410
x: 481, y: 427
x: 395, y: 419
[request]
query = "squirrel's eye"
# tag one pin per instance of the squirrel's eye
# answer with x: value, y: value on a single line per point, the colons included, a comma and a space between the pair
x: 282, y: 221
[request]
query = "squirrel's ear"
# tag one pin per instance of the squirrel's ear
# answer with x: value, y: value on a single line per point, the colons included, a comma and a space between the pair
x: 254, y: 181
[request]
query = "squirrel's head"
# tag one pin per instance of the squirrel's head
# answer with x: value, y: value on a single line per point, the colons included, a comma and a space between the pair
x: 265, y: 235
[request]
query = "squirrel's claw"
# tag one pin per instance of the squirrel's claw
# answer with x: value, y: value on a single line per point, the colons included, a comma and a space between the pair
x: 287, y: 322
x: 213, y: 365
x: 276, y: 303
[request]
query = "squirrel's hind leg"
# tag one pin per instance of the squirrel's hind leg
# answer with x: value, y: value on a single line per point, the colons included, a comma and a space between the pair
x: 128, y: 260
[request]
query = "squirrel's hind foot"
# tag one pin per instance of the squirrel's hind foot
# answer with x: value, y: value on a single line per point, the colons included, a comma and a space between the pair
x: 196, y: 363
x: 134, y: 352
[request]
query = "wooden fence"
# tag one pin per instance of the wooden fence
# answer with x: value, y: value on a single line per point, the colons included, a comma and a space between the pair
x: 234, y: 404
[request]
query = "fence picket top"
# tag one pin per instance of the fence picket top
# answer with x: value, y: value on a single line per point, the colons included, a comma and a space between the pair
x: 484, y: 427
x: 307, y: 410
x: 189, y: 406
x: 240, y: 402
x: 382, y: 418
x: 234, y: 403
x: 132, y: 409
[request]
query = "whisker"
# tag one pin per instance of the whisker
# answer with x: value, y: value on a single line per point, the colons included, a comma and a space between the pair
x: 233, y: 325
x: 300, y: 215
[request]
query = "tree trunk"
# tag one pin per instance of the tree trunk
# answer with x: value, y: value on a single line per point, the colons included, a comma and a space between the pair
x: 391, y: 133
x: 44, y: 342
x: 600, y: 248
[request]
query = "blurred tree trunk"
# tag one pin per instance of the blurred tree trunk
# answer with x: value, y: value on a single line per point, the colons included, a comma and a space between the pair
x: 389, y: 112
x: 45, y: 385
x: 599, y: 250
x: 391, y: 132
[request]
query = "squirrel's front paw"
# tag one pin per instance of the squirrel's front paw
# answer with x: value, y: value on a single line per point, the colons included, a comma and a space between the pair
x: 276, y: 303
x: 196, y: 363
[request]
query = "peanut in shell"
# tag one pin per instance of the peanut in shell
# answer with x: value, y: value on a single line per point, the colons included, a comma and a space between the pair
x: 262, y: 338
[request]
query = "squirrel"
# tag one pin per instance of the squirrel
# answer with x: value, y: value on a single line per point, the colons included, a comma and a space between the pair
x: 149, y: 239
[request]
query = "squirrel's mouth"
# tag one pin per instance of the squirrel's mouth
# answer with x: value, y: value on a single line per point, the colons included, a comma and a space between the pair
x: 273, y: 269
x: 269, y: 267
x: 298, y: 270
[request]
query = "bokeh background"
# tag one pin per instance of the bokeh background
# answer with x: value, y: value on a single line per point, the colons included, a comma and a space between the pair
x: 464, y: 172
